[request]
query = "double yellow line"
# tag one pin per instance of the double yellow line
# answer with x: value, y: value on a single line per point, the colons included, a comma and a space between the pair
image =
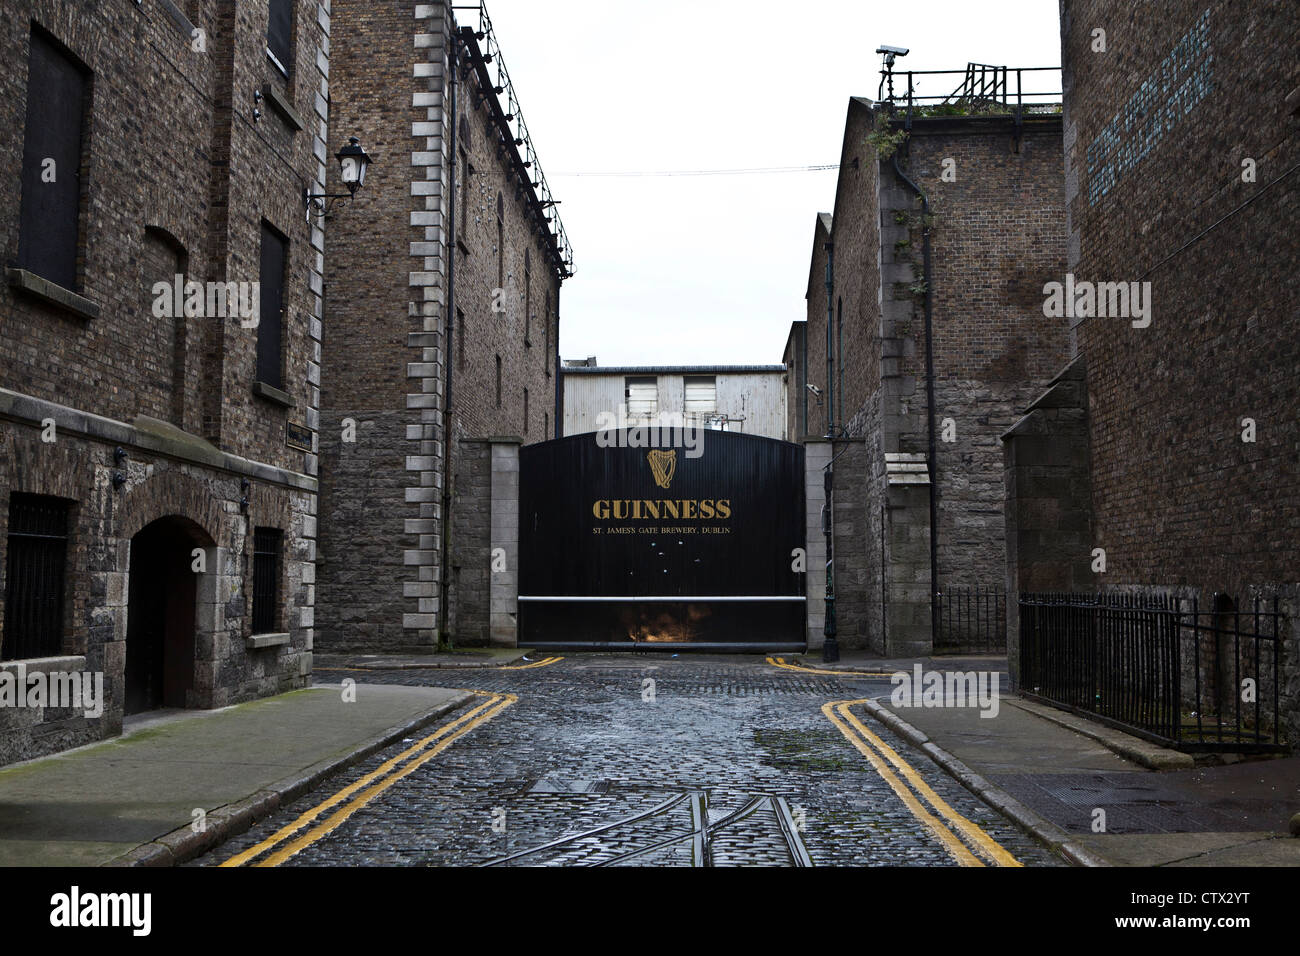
x: 356, y: 795
x: 953, y: 825
x: 524, y: 667
x: 521, y: 667
x: 781, y: 662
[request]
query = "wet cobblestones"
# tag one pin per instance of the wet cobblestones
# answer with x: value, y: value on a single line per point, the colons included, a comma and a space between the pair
x: 731, y: 728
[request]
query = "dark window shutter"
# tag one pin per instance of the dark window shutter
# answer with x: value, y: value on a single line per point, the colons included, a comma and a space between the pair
x: 270, y: 325
x: 51, y: 211
x: 280, y: 30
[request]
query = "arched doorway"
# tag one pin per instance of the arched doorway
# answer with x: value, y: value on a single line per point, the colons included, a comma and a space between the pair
x: 161, y: 607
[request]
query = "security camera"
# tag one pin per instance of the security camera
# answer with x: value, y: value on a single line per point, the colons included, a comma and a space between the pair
x: 893, y: 51
x: 814, y: 389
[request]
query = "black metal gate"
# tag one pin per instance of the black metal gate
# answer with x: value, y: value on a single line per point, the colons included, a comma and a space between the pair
x: 626, y: 546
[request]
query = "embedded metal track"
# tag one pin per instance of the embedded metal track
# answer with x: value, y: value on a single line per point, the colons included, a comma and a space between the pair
x: 762, y: 832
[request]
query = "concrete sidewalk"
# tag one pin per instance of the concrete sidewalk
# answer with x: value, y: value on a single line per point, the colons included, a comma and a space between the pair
x: 131, y: 800
x: 1052, y: 771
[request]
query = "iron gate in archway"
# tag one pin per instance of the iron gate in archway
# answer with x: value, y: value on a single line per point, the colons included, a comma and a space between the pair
x: 625, y: 545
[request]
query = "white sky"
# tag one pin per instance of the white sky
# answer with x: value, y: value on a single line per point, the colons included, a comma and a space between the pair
x: 713, y: 269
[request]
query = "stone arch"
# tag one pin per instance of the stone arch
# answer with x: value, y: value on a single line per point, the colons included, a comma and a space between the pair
x: 172, y: 617
x: 168, y: 492
x: 75, y: 31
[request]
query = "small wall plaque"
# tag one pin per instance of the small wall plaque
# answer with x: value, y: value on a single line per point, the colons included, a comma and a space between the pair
x: 297, y: 436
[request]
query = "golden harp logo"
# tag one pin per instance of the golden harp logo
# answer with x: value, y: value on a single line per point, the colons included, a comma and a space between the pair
x: 663, y: 464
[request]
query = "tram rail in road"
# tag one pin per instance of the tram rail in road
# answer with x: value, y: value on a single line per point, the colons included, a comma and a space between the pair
x: 709, y: 840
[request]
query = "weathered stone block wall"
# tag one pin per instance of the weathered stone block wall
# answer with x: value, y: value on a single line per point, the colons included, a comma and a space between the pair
x: 1048, y: 500
x: 857, y: 593
x: 816, y: 456
x: 472, y: 537
x: 160, y: 483
x: 503, y: 585
x: 998, y: 236
x: 907, y: 570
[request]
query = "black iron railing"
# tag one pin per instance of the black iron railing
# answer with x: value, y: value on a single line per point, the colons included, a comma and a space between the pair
x: 267, y: 544
x: 1157, y: 666
x: 970, y: 620
x: 38, y: 544
x: 980, y: 89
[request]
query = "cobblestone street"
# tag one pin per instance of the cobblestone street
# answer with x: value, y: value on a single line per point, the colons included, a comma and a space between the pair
x: 591, y: 745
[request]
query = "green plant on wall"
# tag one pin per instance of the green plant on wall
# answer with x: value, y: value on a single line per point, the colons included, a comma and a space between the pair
x: 885, y: 140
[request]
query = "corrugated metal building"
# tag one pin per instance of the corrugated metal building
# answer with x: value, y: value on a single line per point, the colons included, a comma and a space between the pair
x: 740, y: 398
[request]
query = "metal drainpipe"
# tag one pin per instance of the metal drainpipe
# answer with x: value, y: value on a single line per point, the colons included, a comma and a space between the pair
x: 448, y: 356
x: 929, y: 390
x: 839, y: 352
x: 830, y: 643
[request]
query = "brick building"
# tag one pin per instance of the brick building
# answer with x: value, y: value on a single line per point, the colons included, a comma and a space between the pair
x: 795, y: 359
x: 996, y: 228
x: 1182, y: 157
x: 157, y: 475
x: 442, y: 328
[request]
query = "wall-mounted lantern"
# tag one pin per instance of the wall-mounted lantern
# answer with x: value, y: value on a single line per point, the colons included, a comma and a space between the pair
x: 353, y: 163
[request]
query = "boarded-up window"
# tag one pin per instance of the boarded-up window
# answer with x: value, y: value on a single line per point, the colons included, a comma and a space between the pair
x: 501, y: 241
x: 642, y: 395
x: 702, y: 396
x: 460, y: 339
x: 50, y: 219
x: 162, y: 358
x: 270, y: 326
x: 466, y: 178
x: 279, y: 33
x: 546, y: 319
x: 34, y: 573
x: 528, y: 299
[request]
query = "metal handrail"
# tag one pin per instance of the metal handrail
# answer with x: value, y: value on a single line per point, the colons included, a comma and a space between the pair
x: 979, y: 82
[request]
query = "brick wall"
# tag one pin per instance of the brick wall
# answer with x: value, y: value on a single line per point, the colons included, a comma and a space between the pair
x: 1179, y: 498
x: 177, y: 171
x: 997, y: 236
x: 392, y: 338
x: 1182, y: 160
